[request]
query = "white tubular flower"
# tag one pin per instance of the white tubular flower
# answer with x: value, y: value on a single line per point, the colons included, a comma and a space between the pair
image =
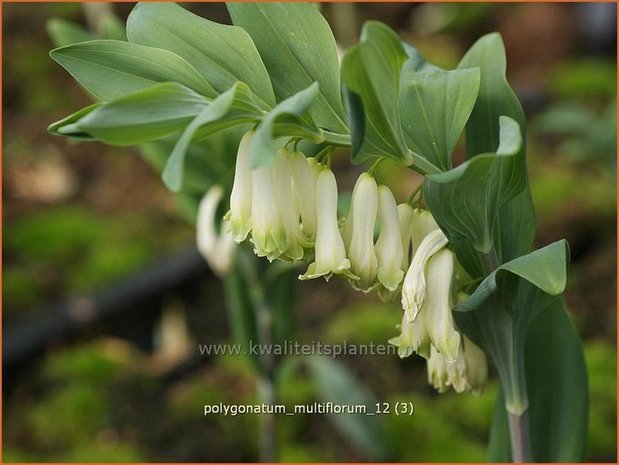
x: 437, y: 305
x: 468, y: 372
x: 282, y: 184
x: 304, y: 175
x: 423, y: 224
x: 389, y: 253
x: 438, y: 375
x: 361, y: 252
x: 406, y: 215
x: 239, y: 216
x: 268, y: 233
x: 217, y: 249
x: 329, y: 248
x: 414, y: 337
x: 414, y: 286
x: 476, y: 366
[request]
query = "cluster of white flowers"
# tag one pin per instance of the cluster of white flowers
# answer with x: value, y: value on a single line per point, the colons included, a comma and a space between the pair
x: 290, y: 211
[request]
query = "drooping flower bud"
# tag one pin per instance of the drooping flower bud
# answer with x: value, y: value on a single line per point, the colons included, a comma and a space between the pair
x: 268, y: 235
x: 217, y: 249
x: 467, y: 373
x: 437, y: 305
x: 282, y: 182
x: 437, y: 371
x: 476, y: 366
x: 330, y: 254
x: 239, y: 216
x: 389, y: 251
x: 304, y: 176
x: 361, y: 252
x: 414, y: 286
x: 413, y: 338
x: 406, y: 215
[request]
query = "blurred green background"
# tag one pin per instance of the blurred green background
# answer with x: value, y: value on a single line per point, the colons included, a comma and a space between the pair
x: 77, y: 217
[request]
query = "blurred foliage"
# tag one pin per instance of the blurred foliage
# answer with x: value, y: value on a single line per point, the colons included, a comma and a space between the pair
x: 590, y: 78
x: 586, y: 136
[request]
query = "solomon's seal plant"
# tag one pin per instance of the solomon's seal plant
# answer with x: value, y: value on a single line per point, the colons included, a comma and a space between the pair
x: 249, y: 115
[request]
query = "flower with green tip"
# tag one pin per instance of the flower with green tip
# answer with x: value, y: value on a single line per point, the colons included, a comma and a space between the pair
x: 414, y: 286
x: 361, y: 251
x: 268, y: 234
x: 239, y: 216
x: 330, y: 254
x: 413, y: 338
x: 406, y: 215
x: 476, y: 366
x: 305, y: 173
x: 389, y: 251
x: 282, y: 182
x: 469, y: 372
x: 437, y: 304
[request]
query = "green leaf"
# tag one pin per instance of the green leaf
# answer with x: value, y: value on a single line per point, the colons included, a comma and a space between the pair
x: 371, y: 73
x: 334, y: 383
x: 298, y: 49
x: 110, y: 69
x: 457, y: 200
x: 147, y: 115
x: 558, y: 393
x: 434, y: 107
x: 222, y: 54
x: 67, y: 125
x: 63, y: 32
x: 289, y: 118
x: 232, y: 107
x: 502, y: 319
x: 516, y: 219
x: 545, y: 268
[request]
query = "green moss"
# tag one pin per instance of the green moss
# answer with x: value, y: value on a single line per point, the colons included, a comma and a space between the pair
x: 427, y: 436
x: 589, y: 77
x: 364, y: 324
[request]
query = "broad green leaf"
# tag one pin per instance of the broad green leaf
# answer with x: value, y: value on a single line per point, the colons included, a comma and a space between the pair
x: 434, y: 107
x: 298, y: 49
x: 222, y: 54
x: 234, y: 106
x: 545, y: 268
x: 63, y: 32
x: 502, y: 319
x: 289, y: 118
x: 416, y: 62
x: 371, y: 73
x: 467, y: 199
x: 110, y: 69
x: 516, y: 220
x: 147, y: 115
x: 558, y: 393
x: 336, y: 384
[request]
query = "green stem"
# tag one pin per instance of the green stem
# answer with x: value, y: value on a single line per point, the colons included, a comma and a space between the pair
x: 335, y: 138
x: 267, y: 386
x: 509, y: 360
x: 519, y: 437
